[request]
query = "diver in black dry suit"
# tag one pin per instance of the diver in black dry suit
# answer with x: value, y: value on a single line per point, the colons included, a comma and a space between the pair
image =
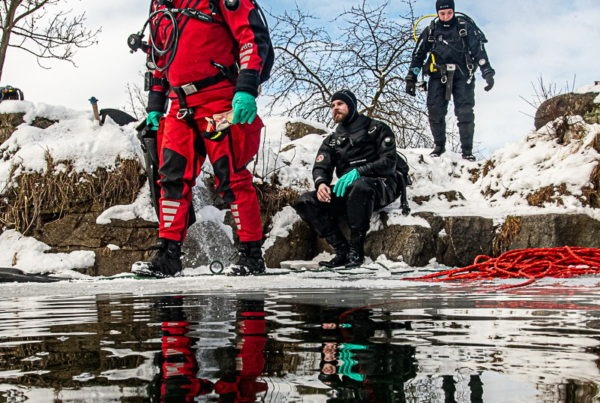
x: 362, y: 151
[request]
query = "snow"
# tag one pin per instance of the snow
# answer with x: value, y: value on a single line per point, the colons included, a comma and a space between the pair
x: 513, y: 172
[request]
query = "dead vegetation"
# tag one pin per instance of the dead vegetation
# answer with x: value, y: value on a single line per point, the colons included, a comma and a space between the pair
x: 474, y: 174
x: 548, y: 195
x: 36, y: 198
x: 273, y: 199
x: 506, y: 234
x: 487, y: 167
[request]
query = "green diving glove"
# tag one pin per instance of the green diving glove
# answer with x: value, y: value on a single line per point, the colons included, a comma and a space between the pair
x: 152, y: 120
x: 244, y: 107
x: 346, y: 180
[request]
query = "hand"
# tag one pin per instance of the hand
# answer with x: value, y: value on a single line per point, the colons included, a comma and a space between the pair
x: 324, y: 193
x: 346, y: 180
x: 244, y: 108
x: 411, y: 87
x: 489, y: 79
x: 152, y: 120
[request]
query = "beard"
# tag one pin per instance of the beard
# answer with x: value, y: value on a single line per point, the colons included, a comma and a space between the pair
x: 338, y: 117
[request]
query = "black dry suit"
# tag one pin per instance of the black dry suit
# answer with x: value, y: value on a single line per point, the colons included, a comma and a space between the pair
x: 371, y: 149
x: 454, y: 50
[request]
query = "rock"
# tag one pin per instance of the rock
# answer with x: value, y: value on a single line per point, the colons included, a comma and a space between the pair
x: 568, y: 105
x: 80, y: 232
x: 411, y: 243
x: 297, y: 130
x: 301, y: 244
x: 555, y: 230
x: 465, y: 239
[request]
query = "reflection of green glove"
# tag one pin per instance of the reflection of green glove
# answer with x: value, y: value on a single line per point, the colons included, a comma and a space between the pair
x: 346, y: 180
x: 152, y: 120
x: 346, y: 362
x: 244, y: 107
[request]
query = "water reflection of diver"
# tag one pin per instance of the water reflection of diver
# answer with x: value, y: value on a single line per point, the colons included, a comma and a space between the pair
x: 357, y: 368
x: 240, y: 382
x: 177, y: 379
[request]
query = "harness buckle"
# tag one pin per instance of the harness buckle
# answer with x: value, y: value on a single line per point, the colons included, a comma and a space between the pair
x: 185, y: 113
x: 451, y: 67
x: 189, y: 89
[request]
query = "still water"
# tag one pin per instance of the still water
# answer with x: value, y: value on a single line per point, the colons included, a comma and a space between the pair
x: 417, y: 344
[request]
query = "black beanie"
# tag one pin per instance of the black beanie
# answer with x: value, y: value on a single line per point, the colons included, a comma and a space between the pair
x: 444, y: 4
x: 347, y: 97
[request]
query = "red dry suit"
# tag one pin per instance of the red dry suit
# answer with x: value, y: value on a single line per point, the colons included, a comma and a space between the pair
x: 197, y: 71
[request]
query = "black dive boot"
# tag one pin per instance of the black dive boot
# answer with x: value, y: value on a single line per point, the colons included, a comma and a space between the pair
x: 165, y: 262
x: 250, y: 260
x: 339, y: 243
x: 356, y: 255
x: 437, y: 151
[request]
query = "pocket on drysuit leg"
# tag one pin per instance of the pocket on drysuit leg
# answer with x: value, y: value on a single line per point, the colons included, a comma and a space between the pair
x: 245, y: 142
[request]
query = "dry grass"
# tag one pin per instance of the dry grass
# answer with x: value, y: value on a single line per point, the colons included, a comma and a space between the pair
x: 487, y: 167
x: 8, y: 123
x: 273, y: 199
x: 474, y: 175
x: 40, y: 197
x: 509, y: 230
x: 548, y: 194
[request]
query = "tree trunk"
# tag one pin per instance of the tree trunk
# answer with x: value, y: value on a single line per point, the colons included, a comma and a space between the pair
x: 6, y: 31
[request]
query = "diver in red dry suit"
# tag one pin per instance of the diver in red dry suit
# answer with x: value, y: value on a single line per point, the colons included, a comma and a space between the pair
x: 208, y: 58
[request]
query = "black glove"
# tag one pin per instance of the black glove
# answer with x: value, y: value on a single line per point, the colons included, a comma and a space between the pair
x: 489, y: 79
x: 411, y: 87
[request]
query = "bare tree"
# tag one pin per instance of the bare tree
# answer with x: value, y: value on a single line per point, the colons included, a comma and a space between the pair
x: 30, y: 26
x: 543, y: 91
x: 369, y: 55
x: 137, y: 100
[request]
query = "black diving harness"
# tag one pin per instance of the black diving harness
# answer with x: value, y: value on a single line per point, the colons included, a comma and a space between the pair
x: 448, y: 70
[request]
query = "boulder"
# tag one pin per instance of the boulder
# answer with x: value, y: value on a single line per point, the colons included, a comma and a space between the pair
x: 300, y: 244
x: 411, y: 243
x: 555, y: 230
x: 568, y: 105
x: 297, y: 130
x: 134, y: 239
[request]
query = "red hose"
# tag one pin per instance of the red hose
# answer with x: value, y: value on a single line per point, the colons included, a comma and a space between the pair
x: 532, y: 264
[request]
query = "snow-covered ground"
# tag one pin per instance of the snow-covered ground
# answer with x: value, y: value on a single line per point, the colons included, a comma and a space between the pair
x: 513, y: 172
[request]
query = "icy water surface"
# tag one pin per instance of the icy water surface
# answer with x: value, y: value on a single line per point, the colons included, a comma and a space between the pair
x: 418, y: 344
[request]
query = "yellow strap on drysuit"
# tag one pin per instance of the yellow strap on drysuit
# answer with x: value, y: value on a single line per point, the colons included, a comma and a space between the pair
x: 432, y: 68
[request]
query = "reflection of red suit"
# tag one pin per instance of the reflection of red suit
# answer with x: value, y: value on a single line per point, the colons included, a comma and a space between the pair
x: 179, y: 365
x: 236, y: 36
x: 250, y: 360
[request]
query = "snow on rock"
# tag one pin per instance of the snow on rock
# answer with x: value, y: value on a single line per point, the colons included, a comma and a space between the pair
x: 75, y: 137
x: 30, y: 255
x: 539, y: 162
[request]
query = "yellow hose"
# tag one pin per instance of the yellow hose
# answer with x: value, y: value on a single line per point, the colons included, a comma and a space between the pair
x: 416, y: 24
